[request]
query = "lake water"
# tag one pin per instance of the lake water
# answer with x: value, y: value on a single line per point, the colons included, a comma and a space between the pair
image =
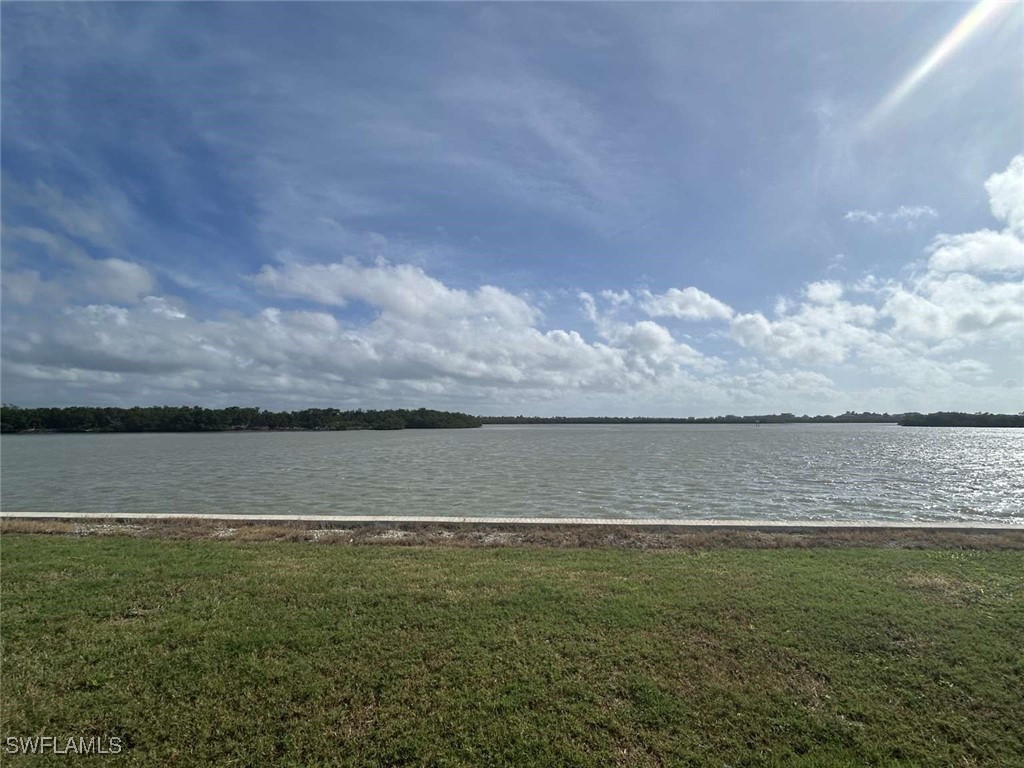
x: 848, y: 472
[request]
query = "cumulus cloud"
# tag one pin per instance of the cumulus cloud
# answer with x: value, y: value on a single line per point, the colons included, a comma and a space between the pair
x: 686, y: 304
x: 824, y: 292
x: 986, y: 250
x: 426, y: 337
x: 617, y: 298
x: 965, y: 297
x: 958, y: 307
x: 403, y: 289
x: 1006, y: 195
x: 823, y: 333
x: 982, y: 251
x: 651, y: 347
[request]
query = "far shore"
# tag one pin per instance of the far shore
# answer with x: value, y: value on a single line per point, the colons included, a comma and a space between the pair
x: 156, y: 419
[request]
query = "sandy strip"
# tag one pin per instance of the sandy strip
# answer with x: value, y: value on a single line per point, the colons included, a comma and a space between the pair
x: 644, y: 535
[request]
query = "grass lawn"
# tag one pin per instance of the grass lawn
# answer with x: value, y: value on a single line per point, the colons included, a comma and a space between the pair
x: 224, y: 653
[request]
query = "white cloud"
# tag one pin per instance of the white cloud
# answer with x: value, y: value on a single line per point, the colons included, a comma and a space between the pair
x: 1006, y: 195
x: 824, y: 292
x: 651, y: 347
x: 165, y: 307
x: 55, y: 244
x: 815, y: 333
x: 865, y: 217
x: 916, y: 315
x: 985, y: 250
x: 22, y: 286
x: 93, y: 220
x: 913, y: 213
x: 115, y: 279
x: 906, y: 214
x: 686, y: 304
x: 779, y: 391
x: 823, y: 329
x: 981, y: 251
x: 109, y: 279
x: 617, y: 298
x: 960, y: 308
x: 426, y: 337
x: 835, y: 264
x: 403, y: 290
x: 935, y: 315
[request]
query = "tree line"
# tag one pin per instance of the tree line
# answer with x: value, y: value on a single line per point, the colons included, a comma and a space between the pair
x: 195, y: 419
x: 772, y: 418
x: 953, y: 419
x: 913, y: 419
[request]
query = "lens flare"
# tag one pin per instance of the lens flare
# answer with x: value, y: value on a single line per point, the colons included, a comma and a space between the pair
x: 946, y: 47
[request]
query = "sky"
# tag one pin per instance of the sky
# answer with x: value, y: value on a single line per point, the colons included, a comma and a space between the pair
x: 666, y: 209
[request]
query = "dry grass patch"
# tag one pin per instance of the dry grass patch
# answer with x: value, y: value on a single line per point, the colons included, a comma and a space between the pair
x: 946, y: 589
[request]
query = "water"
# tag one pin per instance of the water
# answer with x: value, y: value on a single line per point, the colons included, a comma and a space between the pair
x: 848, y: 472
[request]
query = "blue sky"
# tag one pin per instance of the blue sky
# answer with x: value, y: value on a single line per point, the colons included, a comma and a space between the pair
x: 559, y: 208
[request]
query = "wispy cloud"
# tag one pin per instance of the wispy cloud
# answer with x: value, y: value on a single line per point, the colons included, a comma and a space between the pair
x: 910, y: 215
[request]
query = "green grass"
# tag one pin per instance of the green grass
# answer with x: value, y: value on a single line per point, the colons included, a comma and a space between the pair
x: 221, y: 653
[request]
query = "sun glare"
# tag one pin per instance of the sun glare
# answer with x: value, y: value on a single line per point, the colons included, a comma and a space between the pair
x: 968, y: 25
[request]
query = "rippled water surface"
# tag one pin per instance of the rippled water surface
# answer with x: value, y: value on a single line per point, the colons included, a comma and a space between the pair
x: 783, y: 472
